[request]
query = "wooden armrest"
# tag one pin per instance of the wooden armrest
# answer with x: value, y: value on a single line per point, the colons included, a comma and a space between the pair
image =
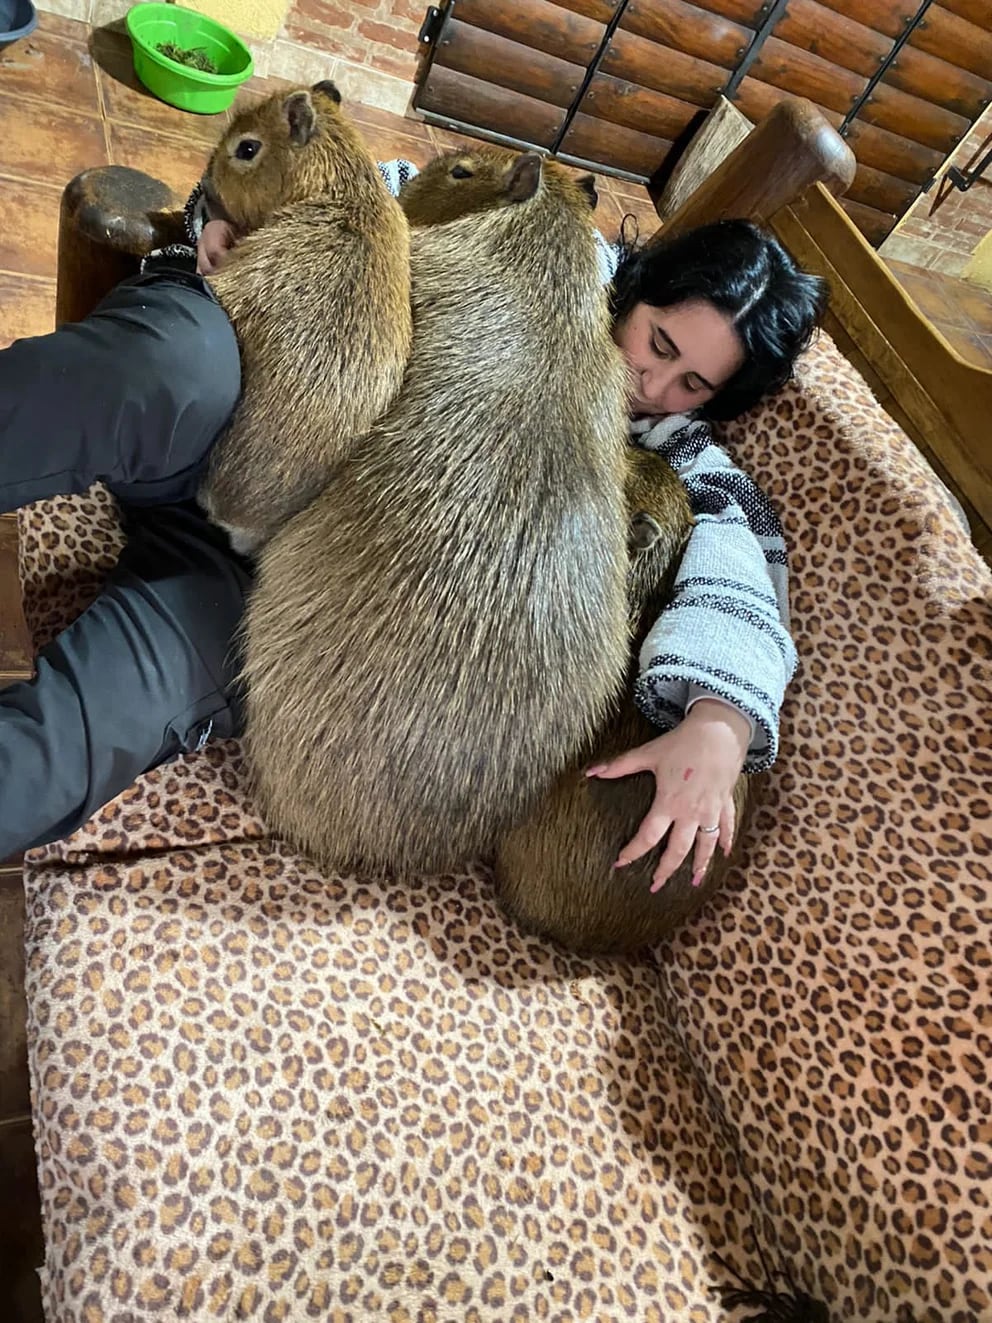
x: 791, y: 149
x: 110, y: 218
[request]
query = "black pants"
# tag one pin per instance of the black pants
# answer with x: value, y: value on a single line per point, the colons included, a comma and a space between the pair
x: 133, y: 396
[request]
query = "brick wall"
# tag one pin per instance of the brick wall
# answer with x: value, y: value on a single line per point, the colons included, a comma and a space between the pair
x: 381, y: 34
x: 943, y: 227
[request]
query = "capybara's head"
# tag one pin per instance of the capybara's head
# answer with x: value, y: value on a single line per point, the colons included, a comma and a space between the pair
x: 460, y: 183
x: 294, y: 145
x: 659, y: 522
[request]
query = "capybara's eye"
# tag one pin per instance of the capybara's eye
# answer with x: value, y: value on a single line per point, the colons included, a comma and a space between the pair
x: 461, y: 172
x: 247, y: 149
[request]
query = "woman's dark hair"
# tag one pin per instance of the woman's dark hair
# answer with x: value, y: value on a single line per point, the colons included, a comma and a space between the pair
x: 744, y: 272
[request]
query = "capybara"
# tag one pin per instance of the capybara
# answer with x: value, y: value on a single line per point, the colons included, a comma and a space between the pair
x: 318, y: 290
x: 554, y: 872
x: 433, y: 638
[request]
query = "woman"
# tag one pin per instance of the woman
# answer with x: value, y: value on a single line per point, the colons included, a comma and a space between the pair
x: 158, y: 354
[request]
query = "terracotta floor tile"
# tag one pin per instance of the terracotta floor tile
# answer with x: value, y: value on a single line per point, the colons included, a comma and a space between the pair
x: 642, y: 209
x: 125, y: 100
x: 27, y: 307
x: 973, y: 301
x: 373, y: 116
x: 57, y: 25
x: 446, y: 139
x: 47, y: 67
x: 389, y: 145
x: 29, y: 226
x: 50, y: 145
x: 178, y: 164
x: 930, y: 294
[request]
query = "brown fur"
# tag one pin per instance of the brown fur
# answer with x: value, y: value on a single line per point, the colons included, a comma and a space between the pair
x: 431, y: 640
x: 554, y: 873
x: 319, y: 294
x: 459, y: 183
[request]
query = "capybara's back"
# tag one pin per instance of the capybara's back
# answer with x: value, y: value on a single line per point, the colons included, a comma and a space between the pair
x: 433, y: 638
x: 318, y: 290
x: 554, y: 872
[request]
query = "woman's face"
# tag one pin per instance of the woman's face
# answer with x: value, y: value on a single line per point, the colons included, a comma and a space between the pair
x: 678, y: 357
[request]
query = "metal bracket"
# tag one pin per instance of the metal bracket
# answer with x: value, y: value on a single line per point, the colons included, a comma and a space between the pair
x: 430, y: 29
x: 963, y: 179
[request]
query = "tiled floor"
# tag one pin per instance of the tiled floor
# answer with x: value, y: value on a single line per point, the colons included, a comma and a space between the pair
x: 962, y: 312
x: 69, y: 100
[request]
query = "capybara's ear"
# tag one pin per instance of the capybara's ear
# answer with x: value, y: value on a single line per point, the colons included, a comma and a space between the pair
x: 298, y: 109
x: 643, y: 533
x: 329, y: 89
x: 588, y: 184
x: 524, y: 178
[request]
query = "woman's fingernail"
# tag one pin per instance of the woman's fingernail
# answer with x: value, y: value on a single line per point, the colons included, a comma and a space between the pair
x: 656, y: 886
x: 620, y: 863
x: 697, y: 878
x: 595, y: 771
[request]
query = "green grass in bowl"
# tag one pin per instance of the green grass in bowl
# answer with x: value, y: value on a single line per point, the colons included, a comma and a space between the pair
x: 195, y: 59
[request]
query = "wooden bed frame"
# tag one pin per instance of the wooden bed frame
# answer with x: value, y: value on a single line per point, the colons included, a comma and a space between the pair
x: 782, y: 175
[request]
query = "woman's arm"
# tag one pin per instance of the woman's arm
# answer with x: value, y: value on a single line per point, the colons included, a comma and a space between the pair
x: 715, y: 665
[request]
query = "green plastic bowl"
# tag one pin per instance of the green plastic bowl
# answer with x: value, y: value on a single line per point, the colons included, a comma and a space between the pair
x: 178, y: 84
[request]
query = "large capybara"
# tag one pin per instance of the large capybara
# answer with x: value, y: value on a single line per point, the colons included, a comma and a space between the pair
x: 554, y: 872
x: 318, y: 290
x: 430, y: 641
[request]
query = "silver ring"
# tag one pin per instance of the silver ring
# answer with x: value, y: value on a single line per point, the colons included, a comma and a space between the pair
x: 709, y: 830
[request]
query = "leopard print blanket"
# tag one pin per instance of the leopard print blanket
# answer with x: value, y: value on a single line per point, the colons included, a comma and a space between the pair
x: 264, y: 1094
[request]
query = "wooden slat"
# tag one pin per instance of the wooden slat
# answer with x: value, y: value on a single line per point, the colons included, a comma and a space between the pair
x: 948, y: 401
x: 956, y: 40
x: 600, y: 10
x: 538, y: 24
x: 638, y: 61
x: 598, y: 141
x: 748, y: 12
x: 494, y: 59
x: 756, y: 100
x: 975, y: 11
x: 472, y: 101
x: 913, y: 118
x: 944, y: 84
x: 893, y: 154
x: 875, y: 225
x: 684, y: 27
x: 637, y: 108
x: 886, y: 16
x: 886, y: 193
x: 806, y: 75
x: 833, y: 37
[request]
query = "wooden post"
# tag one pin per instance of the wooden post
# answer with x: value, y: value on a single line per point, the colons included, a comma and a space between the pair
x: 791, y: 149
x: 111, y: 217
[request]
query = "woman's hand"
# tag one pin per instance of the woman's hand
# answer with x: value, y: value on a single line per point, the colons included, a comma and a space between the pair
x: 695, y: 768
x: 216, y: 240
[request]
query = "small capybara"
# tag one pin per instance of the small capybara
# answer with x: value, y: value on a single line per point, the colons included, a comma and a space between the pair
x: 433, y: 638
x: 318, y: 290
x: 554, y: 872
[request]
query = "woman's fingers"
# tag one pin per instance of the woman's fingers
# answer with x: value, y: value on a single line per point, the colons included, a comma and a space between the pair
x: 650, y: 832
x: 625, y: 765
x: 679, y: 844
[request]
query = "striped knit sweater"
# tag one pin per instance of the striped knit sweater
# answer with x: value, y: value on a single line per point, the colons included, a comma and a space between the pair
x: 725, y: 633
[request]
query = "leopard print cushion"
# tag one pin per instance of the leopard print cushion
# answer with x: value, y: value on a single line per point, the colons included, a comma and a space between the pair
x: 265, y: 1094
